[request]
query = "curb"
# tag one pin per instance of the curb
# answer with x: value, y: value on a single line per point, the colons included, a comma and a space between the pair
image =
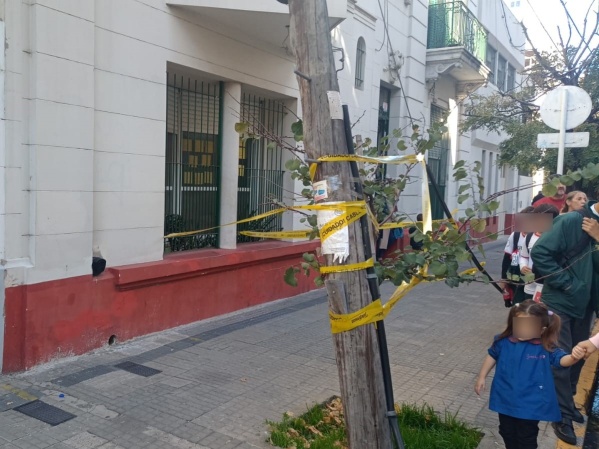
x: 585, y: 384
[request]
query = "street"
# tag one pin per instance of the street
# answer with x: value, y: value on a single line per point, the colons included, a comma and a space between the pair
x: 218, y: 381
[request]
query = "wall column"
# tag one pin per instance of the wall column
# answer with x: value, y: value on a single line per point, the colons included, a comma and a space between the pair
x: 229, y: 162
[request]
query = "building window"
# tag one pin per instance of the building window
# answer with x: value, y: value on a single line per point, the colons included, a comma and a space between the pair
x: 511, y: 77
x: 260, y: 164
x: 360, y: 63
x: 501, y: 67
x: 192, y: 161
x: 438, y: 161
x: 491, y: 62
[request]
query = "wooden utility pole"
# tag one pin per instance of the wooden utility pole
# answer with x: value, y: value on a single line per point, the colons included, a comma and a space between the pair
x: 357, y: 351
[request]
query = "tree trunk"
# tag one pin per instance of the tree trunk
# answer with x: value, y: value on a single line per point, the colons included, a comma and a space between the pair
x: 357, y: 352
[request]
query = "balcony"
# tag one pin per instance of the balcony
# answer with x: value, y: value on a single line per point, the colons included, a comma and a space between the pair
x: 457, y: 44
x: 265, y: 20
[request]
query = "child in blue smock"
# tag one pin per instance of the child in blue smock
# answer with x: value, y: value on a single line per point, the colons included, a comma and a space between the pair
x: 523, y: 392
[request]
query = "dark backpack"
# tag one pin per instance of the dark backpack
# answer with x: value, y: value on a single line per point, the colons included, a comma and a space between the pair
x: 567, y: 258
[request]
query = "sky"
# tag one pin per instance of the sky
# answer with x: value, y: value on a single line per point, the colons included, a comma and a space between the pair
x: 550, y: 14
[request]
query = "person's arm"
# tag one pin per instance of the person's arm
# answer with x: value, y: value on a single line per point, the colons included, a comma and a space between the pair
x: 505, y: 265
x: 568, y: 360
x: 488, y: 365
x: 588, y: 346
x: 591, y: 227
x: 507, y: 256
x: 552, y: 245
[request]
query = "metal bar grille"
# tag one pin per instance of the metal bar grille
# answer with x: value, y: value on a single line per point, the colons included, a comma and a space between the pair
x: 260, y: 163
x: 437, y: 161
x: 452, y: 24
x: 192, y: 161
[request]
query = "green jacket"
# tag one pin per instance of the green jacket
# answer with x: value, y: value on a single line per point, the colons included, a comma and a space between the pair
x: 573, y: 291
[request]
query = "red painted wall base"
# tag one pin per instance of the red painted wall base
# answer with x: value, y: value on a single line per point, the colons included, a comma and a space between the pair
x: 73, y: 316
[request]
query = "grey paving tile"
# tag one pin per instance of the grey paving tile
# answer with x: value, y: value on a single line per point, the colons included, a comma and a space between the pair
x: 220, y: 379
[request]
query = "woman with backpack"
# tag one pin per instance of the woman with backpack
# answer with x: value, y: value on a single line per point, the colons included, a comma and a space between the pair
x: 510, y: 267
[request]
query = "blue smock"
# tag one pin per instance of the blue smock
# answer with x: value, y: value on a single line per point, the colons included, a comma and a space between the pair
x: 523, y: 384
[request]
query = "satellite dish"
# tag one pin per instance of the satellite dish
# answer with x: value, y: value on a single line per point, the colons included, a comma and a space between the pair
x: 579, y: 105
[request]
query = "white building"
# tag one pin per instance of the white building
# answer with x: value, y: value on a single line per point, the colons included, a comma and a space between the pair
x: 119, y: 125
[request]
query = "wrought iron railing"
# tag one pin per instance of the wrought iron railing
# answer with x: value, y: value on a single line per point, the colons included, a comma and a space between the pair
x: 452, y: 24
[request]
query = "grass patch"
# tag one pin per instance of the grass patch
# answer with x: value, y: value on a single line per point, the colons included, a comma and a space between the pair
x: 323, y: 427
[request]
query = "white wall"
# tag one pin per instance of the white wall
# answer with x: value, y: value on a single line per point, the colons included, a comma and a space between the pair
x: 85, y: 113
x: 407, y: 29
x: 86, y: 106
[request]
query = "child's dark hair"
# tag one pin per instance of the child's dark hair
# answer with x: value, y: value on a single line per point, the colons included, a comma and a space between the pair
x: 546, y: 209
x: 550, y: 321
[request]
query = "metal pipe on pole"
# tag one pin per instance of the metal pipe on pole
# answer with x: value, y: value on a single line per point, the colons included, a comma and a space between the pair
x: 373, y: 285
x: 562, y: 131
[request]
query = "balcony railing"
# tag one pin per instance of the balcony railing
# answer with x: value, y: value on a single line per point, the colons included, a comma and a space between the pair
x: 452, y: 24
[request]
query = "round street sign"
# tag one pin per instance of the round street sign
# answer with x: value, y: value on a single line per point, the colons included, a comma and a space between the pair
x: 579, y: 105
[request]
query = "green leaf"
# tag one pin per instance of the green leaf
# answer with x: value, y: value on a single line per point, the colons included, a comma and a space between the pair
x: 463, y: 198
x: 470, y: 212
x: 297, y: 127
x: 401, y: 145
x: 576, y: 176
x: 271, y: 146
x: 293, y: 164
x: 463, y: 256
x: 318, y: 281
x: 308, y: 257
x: 463, y: 188
x: 242, y: 127
x: 478, y: 224
x: 289, y: 277
x: 493, y: 206
x: 459, y: 164
x: 549, y: 189
x: 437, y: 268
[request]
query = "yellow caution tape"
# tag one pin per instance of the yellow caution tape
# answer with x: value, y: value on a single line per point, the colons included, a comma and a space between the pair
x: 323, y: 206
x: 345, y: 268
x: 409, y: 159
x: 377, y: 311
x: 348, y: 216
x: 373, y: 218
x: 277, y: 235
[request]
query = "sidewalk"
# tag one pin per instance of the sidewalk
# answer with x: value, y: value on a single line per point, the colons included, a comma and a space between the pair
x: 218, y: 381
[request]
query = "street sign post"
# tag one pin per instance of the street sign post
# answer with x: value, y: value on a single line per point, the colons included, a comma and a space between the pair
x: 564, y: 108
x: 572, y: 140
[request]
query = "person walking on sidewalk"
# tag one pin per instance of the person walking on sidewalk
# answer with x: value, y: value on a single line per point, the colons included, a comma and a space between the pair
x: 526, y: 263
x: 558, y: 200
x: 564, y: 258
x: 522, y: 391
x: 510, y: 266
